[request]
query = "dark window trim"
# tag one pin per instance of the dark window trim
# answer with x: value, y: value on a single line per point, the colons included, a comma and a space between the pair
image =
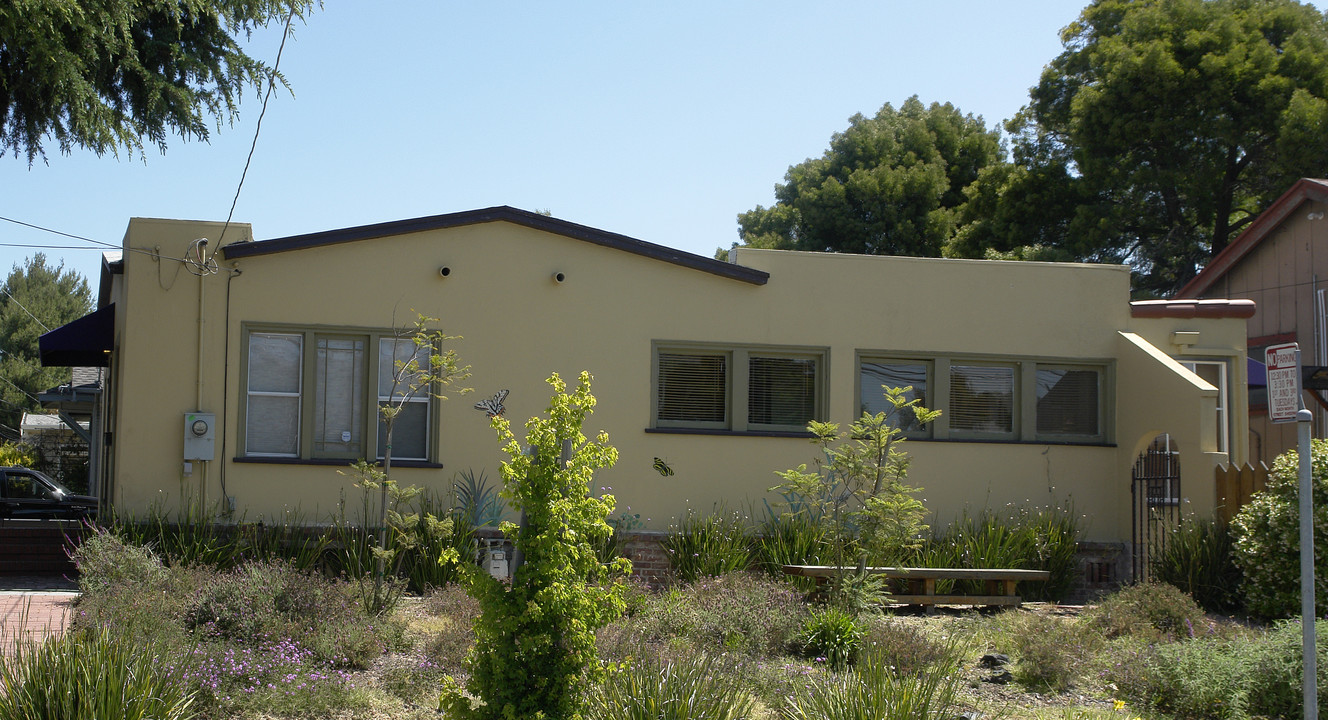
x: 736, y: 433
x: 330, y: 462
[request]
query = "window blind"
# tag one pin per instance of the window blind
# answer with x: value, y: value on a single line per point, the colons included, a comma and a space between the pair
x: 693, y: 388
x: 781, y: 391
x: 982, y: 398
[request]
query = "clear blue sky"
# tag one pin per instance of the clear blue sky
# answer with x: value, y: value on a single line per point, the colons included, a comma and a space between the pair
x: 659, y: 121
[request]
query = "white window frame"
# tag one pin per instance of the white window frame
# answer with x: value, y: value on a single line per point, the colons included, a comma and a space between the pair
x: 1223, y: 397
x: 423, y: 396
x: 298, y: 395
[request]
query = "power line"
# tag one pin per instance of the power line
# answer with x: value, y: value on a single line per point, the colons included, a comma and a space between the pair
x: 58, y: 232
x: 25, y: 392
x: 271, y: 84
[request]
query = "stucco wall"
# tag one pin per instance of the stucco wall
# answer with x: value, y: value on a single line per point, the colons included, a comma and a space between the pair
x: 519, y: 325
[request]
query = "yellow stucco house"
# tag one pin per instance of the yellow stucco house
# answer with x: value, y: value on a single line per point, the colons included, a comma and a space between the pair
x: 1051, y: 382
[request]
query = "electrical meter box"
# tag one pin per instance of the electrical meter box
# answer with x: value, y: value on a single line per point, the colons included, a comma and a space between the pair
x: 200, y: 436
x: 498, y: 564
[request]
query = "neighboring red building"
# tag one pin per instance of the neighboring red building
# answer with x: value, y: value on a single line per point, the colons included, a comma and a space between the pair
x: 1281, y: 263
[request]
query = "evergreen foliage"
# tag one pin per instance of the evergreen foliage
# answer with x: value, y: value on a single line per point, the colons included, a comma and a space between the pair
x: 108, y: 74
x: 34, y: 298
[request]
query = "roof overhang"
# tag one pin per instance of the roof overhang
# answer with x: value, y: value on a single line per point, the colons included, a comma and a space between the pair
x: 501, y: 213
x: 85, y: 342
x: 1187, y: 309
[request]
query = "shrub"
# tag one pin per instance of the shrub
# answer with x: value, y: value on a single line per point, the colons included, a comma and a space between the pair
x: 92, y: 674
x: 1199, y: 559
x: 1269, y: 525
x: 535, y: 642
x: 105, y: 561
x: 831, y: 635
x: 742, y: 612
x: 697, y: 688
x: 451, y: 638
x: 1276, y: 671
x: 1049, y: 651
x: 907, y: 649
x: 1200, y: 679
x: 1151, y: 610
x: 873, y: 691
x: 708, y: 546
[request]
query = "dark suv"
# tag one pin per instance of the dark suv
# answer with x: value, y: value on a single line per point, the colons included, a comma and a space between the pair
x: 28, y: 494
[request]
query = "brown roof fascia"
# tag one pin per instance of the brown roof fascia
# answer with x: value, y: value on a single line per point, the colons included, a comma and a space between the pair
x: 501, y: 213
x: 1262, y: 226
x: 1186, y: 309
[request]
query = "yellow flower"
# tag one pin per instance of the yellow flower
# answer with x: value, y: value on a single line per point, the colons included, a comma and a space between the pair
x: 1118, y: 704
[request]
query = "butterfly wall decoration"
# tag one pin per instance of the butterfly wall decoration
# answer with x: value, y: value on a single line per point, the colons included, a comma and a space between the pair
x: 662, y: 467
x: 493, y: 407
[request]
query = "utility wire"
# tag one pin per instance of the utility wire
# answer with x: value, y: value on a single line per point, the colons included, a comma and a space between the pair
x: 29, y: 312
x: 57, y: 232
x: 25, y: 392
x: 271, y: 84
x: 141, y: 251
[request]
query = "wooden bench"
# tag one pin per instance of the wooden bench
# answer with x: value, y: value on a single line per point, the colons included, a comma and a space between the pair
x: 920, y: 583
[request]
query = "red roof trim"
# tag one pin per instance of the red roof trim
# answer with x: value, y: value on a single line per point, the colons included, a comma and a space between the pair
x: 1186, y: 309
x: 1268, y: 220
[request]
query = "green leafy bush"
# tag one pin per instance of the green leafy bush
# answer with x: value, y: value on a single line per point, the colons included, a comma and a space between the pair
x: 701, y: 546
x: 93, y: 674
x: 696, y: 688
x: 1276, y: 671
x: 535, y: 650
x: 1269, y: 525
x: 1199, y: 559
x: 12, y: 453
x: 1150, y: 610
x: 831, y: 635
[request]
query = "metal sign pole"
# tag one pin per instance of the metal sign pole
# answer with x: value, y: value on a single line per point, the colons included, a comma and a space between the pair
x: 1311, y: 681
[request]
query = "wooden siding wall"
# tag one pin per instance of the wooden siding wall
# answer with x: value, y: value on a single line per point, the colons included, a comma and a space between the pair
x: 1235, y: 486
x: 1281, y: 275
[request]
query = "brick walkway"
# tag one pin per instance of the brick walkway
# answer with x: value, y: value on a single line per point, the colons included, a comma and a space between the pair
x: 35, y: 606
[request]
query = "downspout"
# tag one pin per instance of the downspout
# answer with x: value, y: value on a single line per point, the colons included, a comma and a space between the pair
x: 202, y: 479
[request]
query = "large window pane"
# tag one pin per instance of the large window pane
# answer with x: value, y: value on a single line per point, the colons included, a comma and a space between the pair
x: 410, y: 432
x: 982, y: 398
x: 394, y: 351
x: 410, y: 429
x: 781, y: 391
x: 693, y: 389
x: 1067, y: 401
x: 339, y: 397
x: 877, y: 375
x: 272, y: 417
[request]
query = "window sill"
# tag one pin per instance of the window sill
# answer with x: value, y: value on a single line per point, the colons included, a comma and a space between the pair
x: 333, y: 462
x: 1003, y: 441
x: 732, y: 433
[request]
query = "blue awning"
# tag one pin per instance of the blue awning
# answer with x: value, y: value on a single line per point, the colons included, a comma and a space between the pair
x: 1256, y: 373
x: 85, y: 342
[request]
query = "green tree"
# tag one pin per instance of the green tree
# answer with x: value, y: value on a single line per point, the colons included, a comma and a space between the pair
x: 534, y: 654
x: 34, y: 298
x: 856, y: 491
x: 109, y: 74
x: 1163, y: 128
x: 892, y: 184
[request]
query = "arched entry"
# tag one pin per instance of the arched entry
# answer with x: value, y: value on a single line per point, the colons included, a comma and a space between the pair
x: 1155, y: 491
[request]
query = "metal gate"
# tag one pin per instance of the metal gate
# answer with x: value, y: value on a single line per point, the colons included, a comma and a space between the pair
x: 1155, y: 491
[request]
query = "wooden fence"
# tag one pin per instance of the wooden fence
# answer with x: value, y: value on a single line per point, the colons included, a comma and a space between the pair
x: 1235, y: 485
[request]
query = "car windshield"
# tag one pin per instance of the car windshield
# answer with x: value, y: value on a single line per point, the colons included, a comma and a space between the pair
x: 47, y: 479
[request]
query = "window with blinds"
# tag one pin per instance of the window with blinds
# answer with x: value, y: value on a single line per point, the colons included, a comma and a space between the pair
x: 1067, y: 401
x: 876, y: 375
x: 692, y: 390
x: 982, y: 399
x: 272, y: 405
x: 397, y: 385
x: 781, y: 392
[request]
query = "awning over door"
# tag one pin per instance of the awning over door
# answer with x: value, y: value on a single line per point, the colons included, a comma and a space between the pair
x: 85, y: 342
